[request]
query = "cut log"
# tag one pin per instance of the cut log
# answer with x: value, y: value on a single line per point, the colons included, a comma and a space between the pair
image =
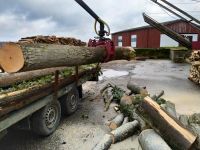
x: 52, y: 40
x: 125, y: 120
x: 126, y: 100
x: 116, y: 122
x: 24, y: 57
x: 195, y: 128
x: 156, y: 97
x: 124, y: 131
x: 150, y: 140
x: 195, y: 67
x: 19, y: 99
x: 135, y: 89
x: 169, y: 107
x: 142, y: 124
x: 184, y: 120
x: 9, y: 79
x: 104, y: 143
x: 173, y: 132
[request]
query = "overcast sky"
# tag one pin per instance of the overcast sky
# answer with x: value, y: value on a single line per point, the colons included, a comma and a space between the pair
x: 21, y: 18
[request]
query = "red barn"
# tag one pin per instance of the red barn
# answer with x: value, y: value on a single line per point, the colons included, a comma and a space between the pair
x: 149, y: 37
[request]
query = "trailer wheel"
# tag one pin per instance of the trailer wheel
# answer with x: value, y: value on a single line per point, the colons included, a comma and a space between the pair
x: 45, y: 121
x: 69, y: 102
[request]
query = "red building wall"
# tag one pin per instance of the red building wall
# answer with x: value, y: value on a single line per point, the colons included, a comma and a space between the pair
x: 150, y: 38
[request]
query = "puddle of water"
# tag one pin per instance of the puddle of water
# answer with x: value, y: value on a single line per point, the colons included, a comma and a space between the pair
x: 110, y: 73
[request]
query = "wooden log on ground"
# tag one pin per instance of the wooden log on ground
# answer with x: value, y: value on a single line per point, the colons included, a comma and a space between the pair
x: 124, y: 131
x: 9, y: 79
x: 173, y: 132
x: 126, y: 120
x: 135, y: 89
x: 24, y: 57
x: 150, y: 140
x: 195, y: 128
x: 184, y: 120
x: 169, y: 107
x: 116, y: 122
x: 104, y: 143
x: 156, y: 97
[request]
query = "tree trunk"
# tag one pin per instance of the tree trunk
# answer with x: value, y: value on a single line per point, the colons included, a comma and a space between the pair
x: 104, y: 143
x: 170, y: 128
x: 116, y: 122
x: 126, y: 120
x: 23, y: 57
x: 150, y: 140
x: 9, y: 79
x: 135, y: 89
x: 124, y: 131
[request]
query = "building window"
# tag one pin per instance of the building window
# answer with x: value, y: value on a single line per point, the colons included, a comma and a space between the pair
x: 119, y: 41
x: 134, y: 40
x: 191, y: 37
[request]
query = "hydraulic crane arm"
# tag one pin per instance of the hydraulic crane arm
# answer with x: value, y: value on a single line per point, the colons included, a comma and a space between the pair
x: 102, y: 41
x: 102, y: 23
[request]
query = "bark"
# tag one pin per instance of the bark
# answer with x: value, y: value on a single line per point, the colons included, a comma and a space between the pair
x: 184, y: 120
x: 126, y: 100
x: 169, y: 107
x: 156, y: 97
x: 24, y: 57
x: 135, y: 89
x: 195, y: 128
x: 52, y: 40
x: 116, y: 122
x: 9, y: 79
x: 13, y: 96
x: 173, y: 132
x: 195, y: 67
x: 18, y: 99
x: 124, y: 131
x: 104, y: 143
x: 150, y: 140
x: 143, y: 125
x: 125, y: 120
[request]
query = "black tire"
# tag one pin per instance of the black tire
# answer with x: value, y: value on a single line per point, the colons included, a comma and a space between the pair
x: 69, y: 102
x: 46, y: 120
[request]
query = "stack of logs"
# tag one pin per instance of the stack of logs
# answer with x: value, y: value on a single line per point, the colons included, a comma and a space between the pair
x: 32, y: 63
x: 195, y: 68
x: 52, y: 40
x: 156, y: 119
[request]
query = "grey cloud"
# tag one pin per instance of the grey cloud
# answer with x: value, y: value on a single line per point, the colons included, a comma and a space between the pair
x: 66, y: 18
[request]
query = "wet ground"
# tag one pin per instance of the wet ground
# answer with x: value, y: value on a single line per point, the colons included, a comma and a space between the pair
x: 82, y: 133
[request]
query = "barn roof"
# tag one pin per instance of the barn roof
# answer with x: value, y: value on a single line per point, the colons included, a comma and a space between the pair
x: 148, y: 26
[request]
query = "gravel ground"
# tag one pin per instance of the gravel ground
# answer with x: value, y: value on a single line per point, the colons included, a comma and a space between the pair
x: 81, y: 133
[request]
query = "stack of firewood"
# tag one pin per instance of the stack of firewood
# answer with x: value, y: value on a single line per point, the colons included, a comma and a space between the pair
x: 155, y: 119
x: 52, y: 40
x: 195, y: 68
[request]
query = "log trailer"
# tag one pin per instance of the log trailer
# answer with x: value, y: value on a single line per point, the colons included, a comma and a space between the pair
x: 40, y: 110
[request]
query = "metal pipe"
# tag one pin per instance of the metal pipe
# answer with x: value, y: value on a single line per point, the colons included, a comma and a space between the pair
x: 173, y: 12
x: 181, y: 11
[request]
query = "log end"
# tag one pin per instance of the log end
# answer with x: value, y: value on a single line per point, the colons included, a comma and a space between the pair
x: 11, y: 57
x: 113, y: 126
